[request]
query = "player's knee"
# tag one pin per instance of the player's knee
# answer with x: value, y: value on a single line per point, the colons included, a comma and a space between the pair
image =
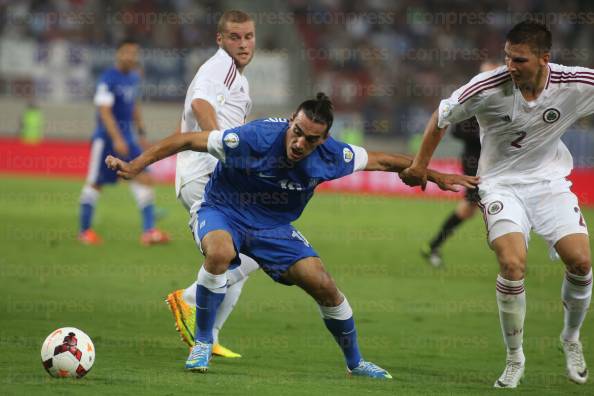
x: 512, y: 266
x: 219, y: 255
x: 579, y: 263
x: 328, y: 294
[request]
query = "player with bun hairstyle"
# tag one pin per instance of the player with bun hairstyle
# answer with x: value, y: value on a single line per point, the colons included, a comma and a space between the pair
x: 267, y: 173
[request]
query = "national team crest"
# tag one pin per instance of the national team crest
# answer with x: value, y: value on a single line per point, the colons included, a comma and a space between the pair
x: 231, y: 140
x: 347, y: 155
x: 551, y: 115
x: 495, y: 207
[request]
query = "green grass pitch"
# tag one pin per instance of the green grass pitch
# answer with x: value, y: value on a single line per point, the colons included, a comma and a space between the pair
x: 436, y: 331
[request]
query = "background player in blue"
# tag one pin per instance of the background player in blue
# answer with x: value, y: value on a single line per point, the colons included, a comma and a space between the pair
x: 268, y: 171
x: 117, y: 114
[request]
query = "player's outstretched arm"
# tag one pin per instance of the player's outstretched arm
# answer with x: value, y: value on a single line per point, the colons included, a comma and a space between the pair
x: 416, y: 174
x: 196, y: 141
x: 378, y: 161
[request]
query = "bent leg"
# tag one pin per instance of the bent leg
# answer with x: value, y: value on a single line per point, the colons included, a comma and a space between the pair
x: 212, y: 281
x: 310, y: 275
x: 510, y: 250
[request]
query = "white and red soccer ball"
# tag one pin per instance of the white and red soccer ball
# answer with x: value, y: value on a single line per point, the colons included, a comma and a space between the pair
x: 68, y: 352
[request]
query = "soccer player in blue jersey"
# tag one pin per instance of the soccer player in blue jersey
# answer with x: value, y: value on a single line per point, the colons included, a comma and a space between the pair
x: 267, y: 172
x: 117, y: 114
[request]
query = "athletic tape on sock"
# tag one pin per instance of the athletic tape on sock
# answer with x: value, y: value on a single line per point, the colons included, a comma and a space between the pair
x: 342, y: 311
x: 214, y: 283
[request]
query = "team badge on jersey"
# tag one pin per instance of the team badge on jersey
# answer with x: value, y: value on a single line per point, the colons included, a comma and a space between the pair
x: 231, y: 140
x: 347, y: 155
x: 551, y: 115
x: 495, y: 207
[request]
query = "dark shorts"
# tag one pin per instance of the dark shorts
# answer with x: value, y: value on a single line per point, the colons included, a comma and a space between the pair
x: 98, y: 173
x: 275, y: 249
x: 470, y: 167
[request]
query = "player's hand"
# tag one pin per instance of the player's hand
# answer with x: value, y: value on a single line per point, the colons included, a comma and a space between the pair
x: 448, y: 182
x: 414, y: 177
x: 123, y: 169
x: 121, y: 147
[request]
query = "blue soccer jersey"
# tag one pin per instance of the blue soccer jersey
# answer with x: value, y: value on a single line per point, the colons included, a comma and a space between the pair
x: 255, y: 185
x: 119, y: 91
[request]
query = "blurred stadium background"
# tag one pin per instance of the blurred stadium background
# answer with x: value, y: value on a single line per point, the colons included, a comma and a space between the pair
x: 386, y: 64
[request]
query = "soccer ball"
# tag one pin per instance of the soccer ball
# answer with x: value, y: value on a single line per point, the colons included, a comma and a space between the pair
x: 68, y: 352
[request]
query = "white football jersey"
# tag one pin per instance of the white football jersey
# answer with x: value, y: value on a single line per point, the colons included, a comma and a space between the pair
x: 219, y: 83
x: 521, y: 140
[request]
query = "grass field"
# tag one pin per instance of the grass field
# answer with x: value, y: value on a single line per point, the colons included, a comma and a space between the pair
x: 437, y: 331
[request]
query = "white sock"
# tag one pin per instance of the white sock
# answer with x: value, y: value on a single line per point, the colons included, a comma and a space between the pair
x: 511, y: 300
x: 214, y: 283
x: 576, y: 294
x: 89, y: 195
x: 238, y: 274
x: 143, y: 195
x: 342, y: 311
x: 226, y: 307
x: 189, y: 294
x: 247, y: 266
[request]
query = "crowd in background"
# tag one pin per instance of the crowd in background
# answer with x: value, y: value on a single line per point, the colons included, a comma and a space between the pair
x: 396, y: 59
x: 389, y: 60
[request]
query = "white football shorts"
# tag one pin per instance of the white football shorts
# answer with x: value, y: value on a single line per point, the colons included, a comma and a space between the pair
x: 549, y: 208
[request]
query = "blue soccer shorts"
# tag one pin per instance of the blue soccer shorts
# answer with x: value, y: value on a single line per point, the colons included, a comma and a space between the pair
x: 98, y: 173
x: 275, y: 249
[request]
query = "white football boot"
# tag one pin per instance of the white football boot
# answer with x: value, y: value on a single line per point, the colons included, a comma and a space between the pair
x: 575, y: 362
x: 512, y: 375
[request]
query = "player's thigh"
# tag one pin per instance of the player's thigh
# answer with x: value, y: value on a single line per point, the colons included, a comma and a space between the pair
x: 216, y: 236
x: 145, y: 178
x: 98, y: 173
x: 574, y: 250
x: 557, y: 215
x: 504, y: 213
x: 510, y: 250
x: 310, y: 275
x: 466, y: 209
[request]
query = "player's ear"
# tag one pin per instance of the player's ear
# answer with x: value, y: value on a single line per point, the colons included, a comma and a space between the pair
x: 293, y: 116
x: 546, y: 57
x: 219, y: 39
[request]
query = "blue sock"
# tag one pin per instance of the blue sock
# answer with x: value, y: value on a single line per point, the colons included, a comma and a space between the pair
x: 345, y: 334
x: 207, y: 304
x: 86, y: 216
x: 148, y: 217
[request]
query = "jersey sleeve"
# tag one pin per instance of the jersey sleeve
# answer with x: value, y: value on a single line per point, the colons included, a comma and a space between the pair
x: 585, y: 91
x: 215, y: 145
x: 239, y: 146
x: 213, y: 82
x: 344, y: 159
x: 457, y: 107
x: 361, y: 158
x: 104, y: 95
x: 467, y: 100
